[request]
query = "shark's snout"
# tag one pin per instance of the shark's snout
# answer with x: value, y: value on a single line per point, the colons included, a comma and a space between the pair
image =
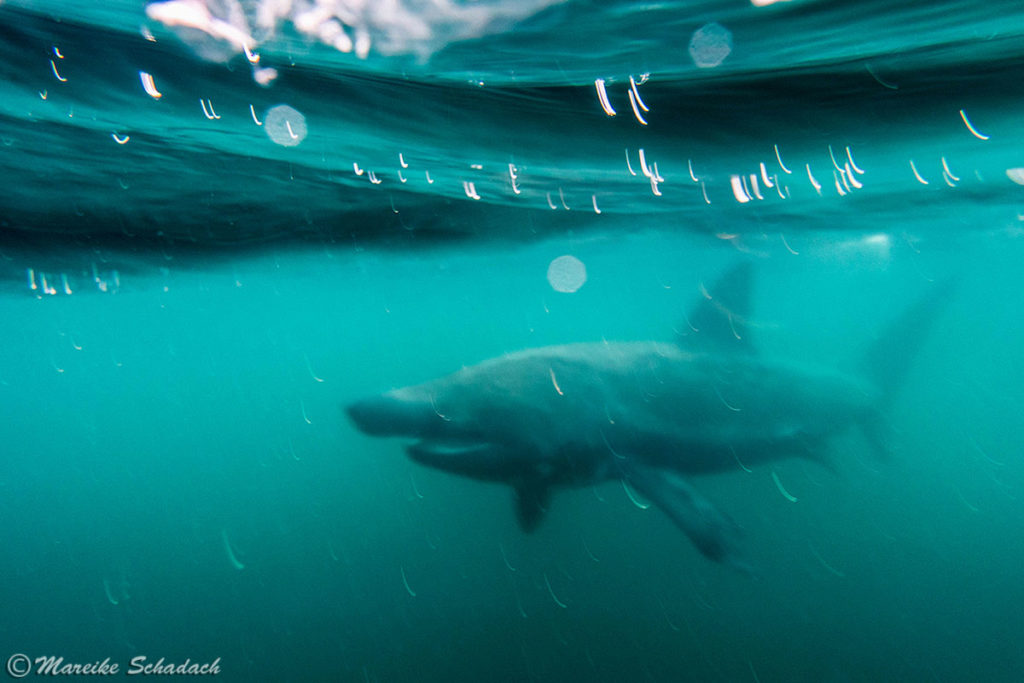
x: 388, y: 415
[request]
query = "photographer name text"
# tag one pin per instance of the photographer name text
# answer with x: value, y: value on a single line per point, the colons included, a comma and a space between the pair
x: 20, y: 666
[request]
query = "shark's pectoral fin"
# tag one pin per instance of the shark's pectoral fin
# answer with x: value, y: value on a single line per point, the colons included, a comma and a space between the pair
x: 714, y: 533
x: 532, y: 497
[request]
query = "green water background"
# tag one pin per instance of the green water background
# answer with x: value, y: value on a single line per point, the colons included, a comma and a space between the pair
x: 206, y: 404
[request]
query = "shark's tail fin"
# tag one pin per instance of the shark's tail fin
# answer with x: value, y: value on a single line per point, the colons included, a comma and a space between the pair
x: 887, y: 361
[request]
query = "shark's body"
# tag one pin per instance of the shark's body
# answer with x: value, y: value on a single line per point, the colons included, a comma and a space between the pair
x: 650, y: 413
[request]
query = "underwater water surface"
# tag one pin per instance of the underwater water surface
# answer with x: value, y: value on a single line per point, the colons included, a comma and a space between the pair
x: 222, y: 222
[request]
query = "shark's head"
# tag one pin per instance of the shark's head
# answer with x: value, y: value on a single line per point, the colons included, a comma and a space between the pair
x: 460, y: 439
x: 442, y: 442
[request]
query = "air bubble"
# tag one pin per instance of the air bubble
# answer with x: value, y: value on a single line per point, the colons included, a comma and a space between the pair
x: 567, y: 274
x: 285, y: 125
x: 710, y: 45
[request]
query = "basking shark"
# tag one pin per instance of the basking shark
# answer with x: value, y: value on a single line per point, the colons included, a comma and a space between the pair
x: 653, y: 414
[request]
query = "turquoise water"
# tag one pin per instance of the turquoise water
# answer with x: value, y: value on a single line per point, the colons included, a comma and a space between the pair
x: 179, y: 481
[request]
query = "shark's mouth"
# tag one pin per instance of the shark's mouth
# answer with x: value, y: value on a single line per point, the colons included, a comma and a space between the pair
x: 471, y: 458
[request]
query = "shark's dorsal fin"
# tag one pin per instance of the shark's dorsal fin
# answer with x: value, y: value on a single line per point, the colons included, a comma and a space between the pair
x: 719, y: 320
